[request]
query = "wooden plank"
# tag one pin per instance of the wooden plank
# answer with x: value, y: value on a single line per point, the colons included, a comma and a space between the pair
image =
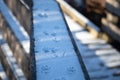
x: 10, y: 64
x: 3, y: 75
x: 83, y: 21
x: 113, y: 7
x: 112, y: 18
x: 16, y: 37
x: 111, y: 29
x: 21, y: 11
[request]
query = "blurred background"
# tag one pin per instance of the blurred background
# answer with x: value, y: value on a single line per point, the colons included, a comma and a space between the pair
x: 94, y: 24
x: 104, y: 13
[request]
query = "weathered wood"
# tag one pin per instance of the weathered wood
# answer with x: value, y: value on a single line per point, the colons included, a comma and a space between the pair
x: 3, y: 75
x: 10, y: 64
x: 83, y: 21
x: 92, y: 6
x: 16, y: 38
x: 112, y: 18
x: 111, y: 29
x: 21, y: 11
x: 113, y: 7
x: 102, y: 61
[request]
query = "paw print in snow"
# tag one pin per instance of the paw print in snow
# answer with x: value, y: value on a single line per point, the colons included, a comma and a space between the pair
x: 45, y: 69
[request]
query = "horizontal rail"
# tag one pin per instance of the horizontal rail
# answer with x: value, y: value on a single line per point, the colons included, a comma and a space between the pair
x: 21, y: 11
x: 53, y: 50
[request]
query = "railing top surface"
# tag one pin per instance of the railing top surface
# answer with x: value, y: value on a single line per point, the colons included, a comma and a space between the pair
x: 55, y: 55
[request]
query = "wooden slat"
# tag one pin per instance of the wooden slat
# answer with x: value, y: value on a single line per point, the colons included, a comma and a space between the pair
x: 111, y: 29
x: 21, y: 11
x: 10, y: 64
x: 112, y: 18
x: 16, y: 37
x: 78, y: 17
x: 113, y: 7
